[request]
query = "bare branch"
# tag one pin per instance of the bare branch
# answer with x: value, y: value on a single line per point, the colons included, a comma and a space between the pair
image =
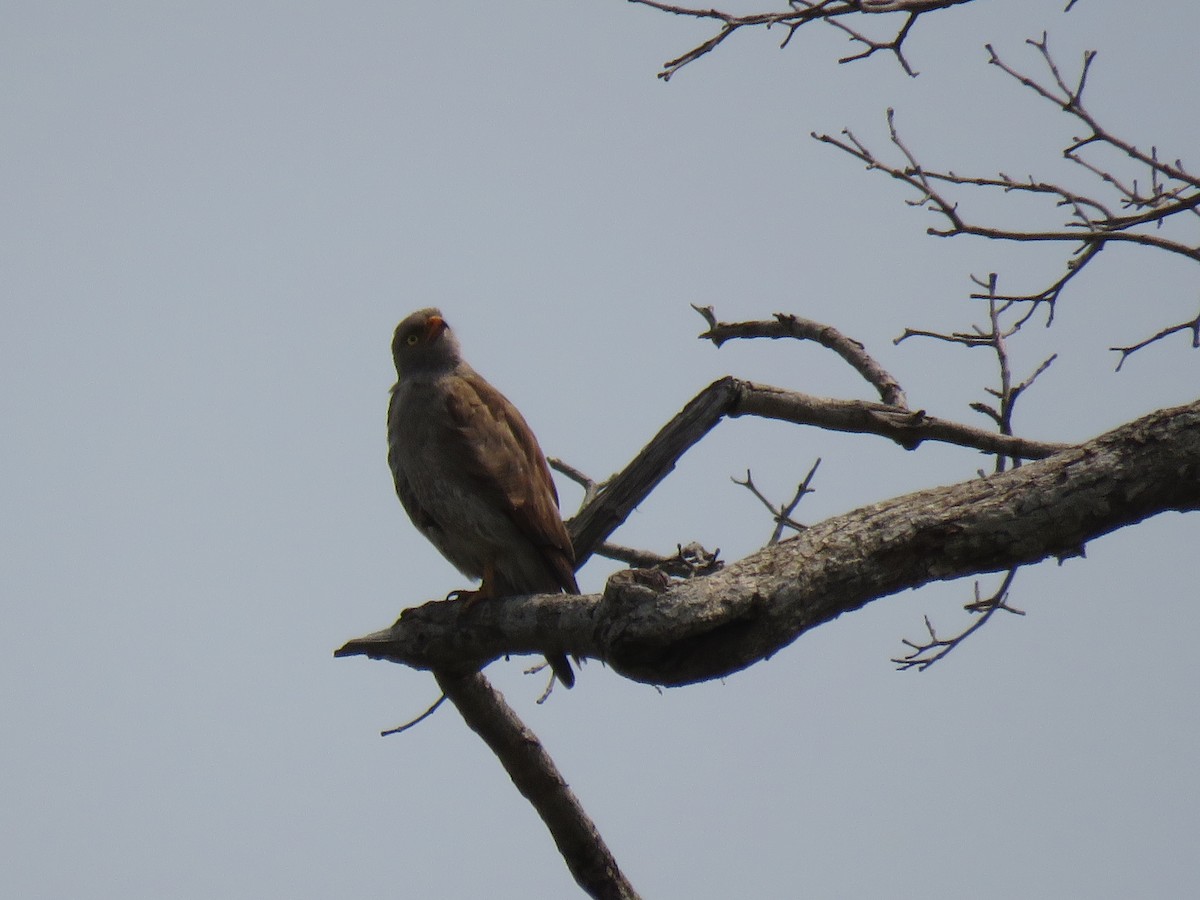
x: 590, y: 487
x: 625, y: 490
x: 1193, y: 326
x: 689, y: 561
x: 800, y: 13
x: 895, y: 45
x: 632, y: 556
x: 914, y: 175
x: 399, y: 729
x: 908, y: 429
x: 1049, y: 295
x: 782, y: 515
x: 1092, y: 220
x: 1071, y: 101
x: 925, y: 653
x: 1042, y: 367
x: 787, y: 325
x: 994, y: 337
x: 733, y: 397
x: 785, y: 517
x: 539, y: 781
x: 954, y: 337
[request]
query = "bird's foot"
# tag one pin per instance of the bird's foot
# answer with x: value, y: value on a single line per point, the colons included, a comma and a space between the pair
x: 485, y: 591
x: 468, y: 597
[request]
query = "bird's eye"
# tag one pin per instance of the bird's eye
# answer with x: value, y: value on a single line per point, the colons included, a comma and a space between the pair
x: 411, y: 340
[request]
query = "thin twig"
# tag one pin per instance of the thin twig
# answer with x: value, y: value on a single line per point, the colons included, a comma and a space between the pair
x: 800, y: 13
x: 421, y: 718
x: 995, y: 336
x: 1193, y: 326
x: 781, y: 515
x: 1091, y: 222
x: 925, y: 653
x: 590, y: 487
x: 785, y: 517
x: 689, y: 561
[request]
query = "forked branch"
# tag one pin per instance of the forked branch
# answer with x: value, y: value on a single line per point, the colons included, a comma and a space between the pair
x: 806, y: 12
x: 732, y: 397
x: 1122, y: 210
x: 925, y: 653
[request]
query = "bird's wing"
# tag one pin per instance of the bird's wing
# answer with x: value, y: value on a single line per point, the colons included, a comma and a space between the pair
x: 404, y: 489
x: 500, y: 455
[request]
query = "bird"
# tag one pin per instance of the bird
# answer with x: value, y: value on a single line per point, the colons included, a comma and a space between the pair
x: 470, y: 473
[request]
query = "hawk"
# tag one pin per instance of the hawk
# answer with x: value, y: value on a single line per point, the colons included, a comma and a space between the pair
x: 470, y: 474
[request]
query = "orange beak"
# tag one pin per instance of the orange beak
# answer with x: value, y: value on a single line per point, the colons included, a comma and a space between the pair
x: 434, y: 328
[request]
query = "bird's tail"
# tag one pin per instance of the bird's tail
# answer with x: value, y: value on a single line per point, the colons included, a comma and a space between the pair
x: 562, y: 669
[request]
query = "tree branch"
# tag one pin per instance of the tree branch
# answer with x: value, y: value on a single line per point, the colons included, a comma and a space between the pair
x: 606, y: 507
x: 690, y: 560
x: 782, y: 515
x: 1193, y: 326
x: 732, y: 397
x: 537, y: 778
x: 624, y: 491
x: 790, y: 326
x: 1092, y: 220
x: 708, y: 628
x: 908, y: 429
x: 799, y: 14
x: 1083, y: 230
x: 924, y: 654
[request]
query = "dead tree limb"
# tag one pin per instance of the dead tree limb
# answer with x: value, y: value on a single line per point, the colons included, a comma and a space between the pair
x: 805, y: 12
x: 706, y: 628
x: 537, y: 778
x: 1141, y: 198
x: 785, y: 325
x: 734, y: 397
x: 1192, y: 325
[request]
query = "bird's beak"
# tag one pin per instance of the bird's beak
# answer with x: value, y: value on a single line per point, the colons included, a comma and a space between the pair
x: 434, y: 328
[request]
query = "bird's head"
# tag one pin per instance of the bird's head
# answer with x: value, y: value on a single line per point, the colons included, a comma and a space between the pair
x: 424, y: 343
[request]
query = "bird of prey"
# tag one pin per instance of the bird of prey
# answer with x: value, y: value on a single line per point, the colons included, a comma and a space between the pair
x: 470, y: 473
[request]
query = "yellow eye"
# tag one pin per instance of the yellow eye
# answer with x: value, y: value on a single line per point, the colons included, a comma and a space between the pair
x: 411, y: 340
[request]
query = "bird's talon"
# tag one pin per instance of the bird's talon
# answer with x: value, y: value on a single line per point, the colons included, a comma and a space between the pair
x: 468, y: 597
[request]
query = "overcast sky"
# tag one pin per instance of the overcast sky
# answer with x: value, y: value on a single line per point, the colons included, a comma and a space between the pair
x: 212, y: 217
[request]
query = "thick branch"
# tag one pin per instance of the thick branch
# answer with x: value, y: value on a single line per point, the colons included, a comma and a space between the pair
x: 733, y: 397
x: 908, y: 429
x: 707, y: 628
x: 538, y: 779
x: 633, y: 484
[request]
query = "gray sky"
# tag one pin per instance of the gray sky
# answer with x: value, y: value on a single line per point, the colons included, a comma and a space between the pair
x: 214, y: 214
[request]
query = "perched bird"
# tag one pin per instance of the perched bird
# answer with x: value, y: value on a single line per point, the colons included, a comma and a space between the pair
x: 470, y: 473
